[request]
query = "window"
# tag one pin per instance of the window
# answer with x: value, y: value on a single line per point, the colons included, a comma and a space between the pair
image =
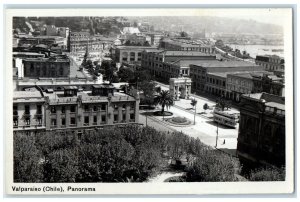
x: 61, y: 71
x: 73, y: 121
x: 116, y: 107
x: 103, y: 118
x: 27, y: 121
x: 53, y: 122
x: 15, y: 110
x: 123, y: 107
x: 53, y: 110
x: 73, y: 109
x: 86, y: 120
x: 103, y: 107
x: 95, y: 108
x: 39, y: 121
x: 39, y: 109
x: 95, y: 120
x: 27, y: 109
x: 116, y: 118
x: 63, y: 109
x: 132, y: 117
x: 124, y: 117
x: 86, y: 108
x: 63, y: 121
x: 15, y: 121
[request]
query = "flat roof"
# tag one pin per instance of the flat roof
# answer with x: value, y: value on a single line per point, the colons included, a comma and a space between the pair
x: 70, y: 88
x: 136, y: 47
x: 27, y: 53
x: 183, y: 62
x: 186, y: 53
x: 27, y: 94
x: 217, y: 63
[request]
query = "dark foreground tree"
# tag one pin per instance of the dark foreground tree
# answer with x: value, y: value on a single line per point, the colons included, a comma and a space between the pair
x: 27, y: 159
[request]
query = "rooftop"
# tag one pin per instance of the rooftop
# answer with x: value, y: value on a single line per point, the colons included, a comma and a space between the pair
x: 186, y: 53
x: 51, y: 59
x: 183, y: 62
x: 27, y: 94
x: 135, y: 47
x: 217, y: 63
x: 269, y: 99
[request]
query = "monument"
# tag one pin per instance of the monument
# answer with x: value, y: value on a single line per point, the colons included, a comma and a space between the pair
x: 180, y: 87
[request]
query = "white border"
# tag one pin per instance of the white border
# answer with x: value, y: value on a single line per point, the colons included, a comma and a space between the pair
x: 147, y: 188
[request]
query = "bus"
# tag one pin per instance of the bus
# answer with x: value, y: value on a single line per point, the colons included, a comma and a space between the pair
x: 226, y: 118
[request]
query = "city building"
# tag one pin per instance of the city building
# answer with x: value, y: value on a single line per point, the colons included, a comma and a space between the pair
x: 54, y: 66
x: 268, y: 83
x: 129, y: 54
x: 138, y: 39
x: 186, y: 45
x: 261, y: 136
x: 43, y: 40
x: 171, y: 64
x: 58, y: 84
x: 80, y: 41
x: 155, y: 38
x: 70, y: 109
x: 211, y: 76
x: 243, y: 83
x: 270, y: 62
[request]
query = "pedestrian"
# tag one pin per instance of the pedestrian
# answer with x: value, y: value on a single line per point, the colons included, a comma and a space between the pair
x: 224, y: 141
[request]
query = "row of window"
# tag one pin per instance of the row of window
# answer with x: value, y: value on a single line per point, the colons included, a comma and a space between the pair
x: 27, y: 109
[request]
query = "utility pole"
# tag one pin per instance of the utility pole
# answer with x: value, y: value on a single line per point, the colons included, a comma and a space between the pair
x: 217, y: 135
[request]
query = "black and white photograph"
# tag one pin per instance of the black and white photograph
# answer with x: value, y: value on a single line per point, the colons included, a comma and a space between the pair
x: 198, y: 97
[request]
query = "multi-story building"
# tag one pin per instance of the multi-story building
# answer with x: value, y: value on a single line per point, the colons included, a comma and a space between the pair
x: 70, y: 109
x: 80, y: 41
x: 209, y: 76
x: 270, y: 62
x: 243, y: 83
x: 28, y: 110
x: 261, y: 136
x: 129, y: 54
x: 45, y: 40
x: 57, y: 84
x: 155, y: 38
x: 268, y: 83
x: 138, y: 38
x: 55, y: 66
x: 171, y: 64
x: 186, y: 45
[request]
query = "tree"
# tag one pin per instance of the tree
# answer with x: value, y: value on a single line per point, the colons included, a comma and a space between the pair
x: 211, y: 166
x: 183, y: 34
x: 27, y: 166
x: 61, y: 166
x: 164, y: 99
x: 125, y: 74
x: 205, y: 106
x: 267, y: 174
x: 222, y: 104
x: 194, y: 104
x: 158, y: 89
x: 148, y: 89
x: 109, y: 70
x: 127, y: 43
x: 146, y: 43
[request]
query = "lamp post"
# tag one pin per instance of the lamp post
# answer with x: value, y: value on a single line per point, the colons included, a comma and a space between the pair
x: 217, y: 135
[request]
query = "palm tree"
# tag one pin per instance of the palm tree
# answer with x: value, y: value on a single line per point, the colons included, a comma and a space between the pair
x: 164, y: 99
x: 194, y: 104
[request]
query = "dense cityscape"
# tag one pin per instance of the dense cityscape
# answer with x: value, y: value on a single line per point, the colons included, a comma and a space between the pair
x: 147, y: 99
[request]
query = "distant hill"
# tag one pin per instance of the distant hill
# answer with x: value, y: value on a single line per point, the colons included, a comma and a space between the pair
x: 210, y: 24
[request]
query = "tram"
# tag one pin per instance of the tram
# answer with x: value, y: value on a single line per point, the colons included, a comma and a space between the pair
x: 226, y: 118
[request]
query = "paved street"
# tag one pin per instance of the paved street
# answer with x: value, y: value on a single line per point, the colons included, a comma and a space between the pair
x: 205, y: 128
